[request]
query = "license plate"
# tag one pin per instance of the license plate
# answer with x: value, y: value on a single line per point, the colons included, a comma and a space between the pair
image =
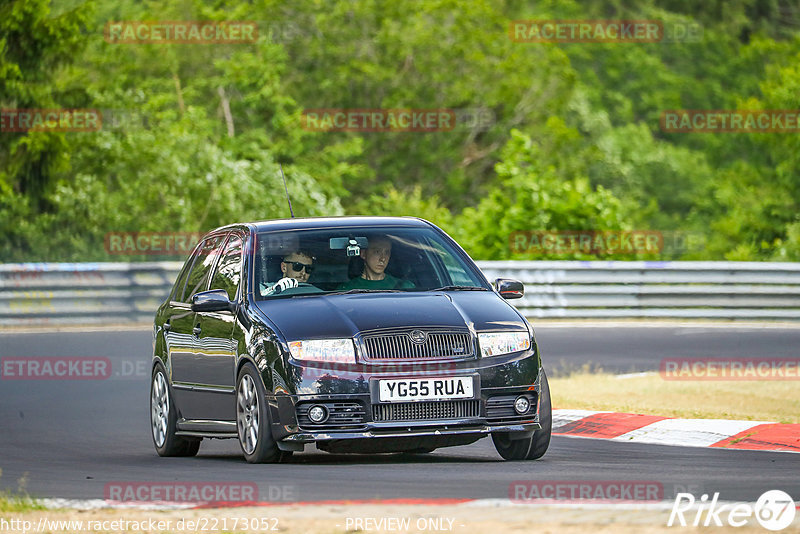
x: 409, y: 389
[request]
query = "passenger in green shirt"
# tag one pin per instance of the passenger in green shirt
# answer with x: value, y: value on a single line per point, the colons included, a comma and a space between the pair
x: 376, y: 259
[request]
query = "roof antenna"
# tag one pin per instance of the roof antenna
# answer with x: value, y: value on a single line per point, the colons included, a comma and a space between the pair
x: 287, y: 190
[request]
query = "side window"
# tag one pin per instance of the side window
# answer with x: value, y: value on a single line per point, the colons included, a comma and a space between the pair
x: 205, y: 257
x: 180, y: 283
x: 229, y: 268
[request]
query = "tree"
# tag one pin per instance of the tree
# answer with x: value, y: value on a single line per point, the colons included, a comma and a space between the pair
x: 533, y: 195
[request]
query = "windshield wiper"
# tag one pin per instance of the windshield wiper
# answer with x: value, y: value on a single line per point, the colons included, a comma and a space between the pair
x: 352, y: 291
x: 459, y: 288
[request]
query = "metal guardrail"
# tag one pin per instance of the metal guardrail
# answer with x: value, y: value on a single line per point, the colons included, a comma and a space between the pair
x: 85, y: 293
x: 646, y: 289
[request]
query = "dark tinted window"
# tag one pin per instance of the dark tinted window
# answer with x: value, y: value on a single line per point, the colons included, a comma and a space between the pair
x: 415, y: 259
x: 229, y: 268
x: 180, y: 283
x: 205, y: 256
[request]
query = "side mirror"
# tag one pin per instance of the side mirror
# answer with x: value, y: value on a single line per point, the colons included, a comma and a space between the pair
x: 509, y: 289
x: 211, y: 301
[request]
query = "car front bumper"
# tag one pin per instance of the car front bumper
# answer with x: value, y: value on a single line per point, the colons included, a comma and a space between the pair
x: 290, y: 426
x: 363, y: 416
x: 439, y: 428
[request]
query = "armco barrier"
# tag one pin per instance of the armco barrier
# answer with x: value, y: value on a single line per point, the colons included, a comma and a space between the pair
x: 645, y: 289
x: 85, y: 293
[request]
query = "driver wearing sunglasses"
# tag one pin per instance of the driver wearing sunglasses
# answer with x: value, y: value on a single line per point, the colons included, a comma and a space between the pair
x: 296, y: 268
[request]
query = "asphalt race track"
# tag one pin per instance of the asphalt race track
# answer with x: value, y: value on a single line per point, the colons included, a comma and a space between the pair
x: 70, y: 438
x: 633, y: 348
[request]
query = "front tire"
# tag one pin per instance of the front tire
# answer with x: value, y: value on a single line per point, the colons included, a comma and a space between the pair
x: 252, y: 419
x: 164, y: 420
x: 534, y: 447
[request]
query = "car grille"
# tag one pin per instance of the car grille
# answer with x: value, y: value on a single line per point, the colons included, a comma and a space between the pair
x: 423, y: 411
x: 500, y: 409
x: 398, y: 345
x: 340, y: 415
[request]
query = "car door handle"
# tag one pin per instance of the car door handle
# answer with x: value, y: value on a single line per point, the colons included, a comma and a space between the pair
x: 196, y: 330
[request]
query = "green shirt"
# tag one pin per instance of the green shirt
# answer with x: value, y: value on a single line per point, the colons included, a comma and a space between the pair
x: 388, y: 282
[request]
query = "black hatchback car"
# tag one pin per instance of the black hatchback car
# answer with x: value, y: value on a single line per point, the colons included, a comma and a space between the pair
x: 358, y: 334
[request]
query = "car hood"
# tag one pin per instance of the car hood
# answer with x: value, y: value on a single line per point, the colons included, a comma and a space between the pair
x: 341, y: 316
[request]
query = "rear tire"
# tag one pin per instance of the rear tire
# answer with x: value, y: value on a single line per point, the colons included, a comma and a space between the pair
x: 164, y: 419
x: 534, y: 447
x: 252, y: 419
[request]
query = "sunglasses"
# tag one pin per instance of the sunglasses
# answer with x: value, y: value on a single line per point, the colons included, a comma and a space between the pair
x: 297, y: 266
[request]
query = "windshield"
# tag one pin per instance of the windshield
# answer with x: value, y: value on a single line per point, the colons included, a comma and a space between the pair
x: 354, y: 260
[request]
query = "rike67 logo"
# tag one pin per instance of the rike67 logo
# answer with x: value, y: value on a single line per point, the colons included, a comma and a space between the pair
x: 774, y: 510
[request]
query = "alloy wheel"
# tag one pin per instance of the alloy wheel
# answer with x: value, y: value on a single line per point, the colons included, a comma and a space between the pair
x: 247, y: 414
x: 159, y: 409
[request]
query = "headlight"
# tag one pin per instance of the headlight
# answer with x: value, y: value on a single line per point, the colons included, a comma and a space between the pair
x: 324, y: 350
x: 496, y: 343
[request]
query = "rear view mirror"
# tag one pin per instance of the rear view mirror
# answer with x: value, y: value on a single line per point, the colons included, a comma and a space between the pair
x: 352, y: 244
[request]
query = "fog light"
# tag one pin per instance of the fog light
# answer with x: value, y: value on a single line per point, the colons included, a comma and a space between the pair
x: 317, y: 414
x: 522, y: 405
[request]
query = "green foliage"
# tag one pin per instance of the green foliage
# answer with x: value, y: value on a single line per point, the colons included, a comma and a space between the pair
x: 193, y: 133
x: 533, y: 196
x: 148, y: 181
x: 413, y: 204
x: 165, y: 160
x: 33, y: 46
x: 425, y: 55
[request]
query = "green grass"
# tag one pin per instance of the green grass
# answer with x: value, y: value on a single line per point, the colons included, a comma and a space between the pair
x: 777, y: 401
x: 19, y: 500
x: 18, y: 503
